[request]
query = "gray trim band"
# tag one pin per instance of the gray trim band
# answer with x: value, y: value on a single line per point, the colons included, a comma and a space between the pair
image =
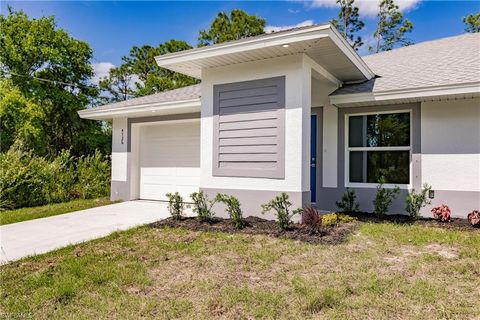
x: 252, y: 112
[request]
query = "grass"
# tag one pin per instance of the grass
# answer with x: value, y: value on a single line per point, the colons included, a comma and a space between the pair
x: 385, y: 271
x: 24, y: 214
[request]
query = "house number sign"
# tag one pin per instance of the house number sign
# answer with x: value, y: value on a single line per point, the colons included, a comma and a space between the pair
x: 122, y: 137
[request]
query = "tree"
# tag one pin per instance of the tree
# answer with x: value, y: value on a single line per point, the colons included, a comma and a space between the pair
x: 472, y: 23
x: 349, y: 23
x: 391, y: 28
x: 152, y: 78
x: 52, y: 69
x: 118, y: 84
x: 21, y: 120
x: 236, y: 25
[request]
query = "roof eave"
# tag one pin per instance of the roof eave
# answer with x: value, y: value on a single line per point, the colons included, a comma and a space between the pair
x: 411, y: 93
x: 271, y: 40
x: 143, y: 110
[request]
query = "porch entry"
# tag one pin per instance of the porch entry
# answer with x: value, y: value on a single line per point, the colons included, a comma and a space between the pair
x: 313, y: 159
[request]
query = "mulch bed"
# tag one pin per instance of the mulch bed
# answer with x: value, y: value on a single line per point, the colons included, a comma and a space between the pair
x: 453, y: 224
x: 255, y: 225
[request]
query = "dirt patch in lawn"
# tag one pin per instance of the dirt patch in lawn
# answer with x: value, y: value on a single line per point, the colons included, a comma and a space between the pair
x: 255, y: 225
x: 453, y: 224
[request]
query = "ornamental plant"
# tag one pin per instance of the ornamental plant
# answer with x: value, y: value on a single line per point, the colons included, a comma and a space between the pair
x: 175, y: 205
x: 474, y: 218
x: 333, y: 219
x: 442, y: 213
x: 311, y: 218
x: 415, y: 201
x: 349, y: 202
x: 233, y: 209
x: 202, y: 206
x: 281, y: 205
x: 384, y: 198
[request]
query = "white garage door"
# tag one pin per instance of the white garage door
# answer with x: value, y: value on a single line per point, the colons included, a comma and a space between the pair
x: 169, y: 159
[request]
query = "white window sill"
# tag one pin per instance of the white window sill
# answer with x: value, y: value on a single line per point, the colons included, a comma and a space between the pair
x: 374, y: 185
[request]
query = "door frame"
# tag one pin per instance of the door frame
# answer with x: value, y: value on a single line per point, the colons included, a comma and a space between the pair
x: 313, y: 157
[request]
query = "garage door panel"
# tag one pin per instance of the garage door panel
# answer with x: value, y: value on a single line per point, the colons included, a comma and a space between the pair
x: 169, y: 160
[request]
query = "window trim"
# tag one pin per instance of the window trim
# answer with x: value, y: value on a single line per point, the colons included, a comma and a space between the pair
x: 347, y: 150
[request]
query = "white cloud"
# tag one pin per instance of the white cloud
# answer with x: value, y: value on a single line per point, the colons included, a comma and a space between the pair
x: 270, y: 29
x: 101, y: 70
x: 294, y: 11
x: 367, y: 8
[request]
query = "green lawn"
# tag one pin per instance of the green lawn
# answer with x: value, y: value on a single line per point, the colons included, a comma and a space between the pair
x: 24, y: 214
x: 385, y: 271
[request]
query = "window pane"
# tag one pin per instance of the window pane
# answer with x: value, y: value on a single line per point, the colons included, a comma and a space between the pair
x: 385, y: 130
x: 356, y: 166
x: 369, y: 166
x: 392, y: 165
x: 355, y: 132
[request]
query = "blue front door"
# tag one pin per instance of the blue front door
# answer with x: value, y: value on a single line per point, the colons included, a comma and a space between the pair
x: 313, y: 159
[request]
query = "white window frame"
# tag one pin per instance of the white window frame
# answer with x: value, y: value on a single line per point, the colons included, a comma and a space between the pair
x: 348, y: 149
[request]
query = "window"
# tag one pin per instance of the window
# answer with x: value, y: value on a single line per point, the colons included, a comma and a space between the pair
x: 378, y: 145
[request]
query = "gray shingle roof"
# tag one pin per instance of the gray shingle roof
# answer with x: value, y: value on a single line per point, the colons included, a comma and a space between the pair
x: 447, y: 61
x: 185, y: 93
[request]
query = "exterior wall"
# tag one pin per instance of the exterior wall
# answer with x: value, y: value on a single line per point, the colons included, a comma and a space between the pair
x: 120, y: 185
x: 297, y: 75
x: 451, y: 153
x: 327, y: 192
x: 445, y: 154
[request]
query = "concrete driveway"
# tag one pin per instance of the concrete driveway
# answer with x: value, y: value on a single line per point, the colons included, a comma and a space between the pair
x: 27, y: 238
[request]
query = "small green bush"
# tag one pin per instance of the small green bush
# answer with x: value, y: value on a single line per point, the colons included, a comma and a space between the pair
x: 281, y: 205
x: 414, y: 201
x: 333, y: 219
x: 384, y: 198
x: 175, y: 205
x: 202, y: 206
x: 233, y: 209
x: 348, y: 202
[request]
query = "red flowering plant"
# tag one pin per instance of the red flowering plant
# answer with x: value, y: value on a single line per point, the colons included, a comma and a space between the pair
x: 442, y: 212
x: 311, y: 218
x: 474, y: 218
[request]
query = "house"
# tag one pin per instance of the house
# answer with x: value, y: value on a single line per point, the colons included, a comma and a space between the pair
x: 299, y: 111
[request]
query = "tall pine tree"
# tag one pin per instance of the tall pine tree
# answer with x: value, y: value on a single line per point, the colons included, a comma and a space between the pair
x: 349, y: 23
x: 391, y: 28
x: 472, y: 23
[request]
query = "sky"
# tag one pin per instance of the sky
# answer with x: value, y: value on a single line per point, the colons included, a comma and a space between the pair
x: 113, y: 27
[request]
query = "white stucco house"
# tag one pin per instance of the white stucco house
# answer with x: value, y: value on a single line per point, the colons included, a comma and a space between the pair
x: 299, y: 111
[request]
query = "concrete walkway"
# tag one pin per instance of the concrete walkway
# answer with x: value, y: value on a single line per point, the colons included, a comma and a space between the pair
x: 27, y: 238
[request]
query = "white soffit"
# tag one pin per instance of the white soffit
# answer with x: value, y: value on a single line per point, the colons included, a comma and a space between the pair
x: 322, y: 43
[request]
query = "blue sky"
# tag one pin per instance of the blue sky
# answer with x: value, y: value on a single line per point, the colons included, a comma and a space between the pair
x: 113, y: 27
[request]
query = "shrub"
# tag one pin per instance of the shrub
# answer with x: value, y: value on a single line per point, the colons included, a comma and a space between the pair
x: 93, y: 176
x: 202, y: 206
x: 281, y: 205
x: 28, y: 180
x: 441, y: 212
x: 311, y: 218
x: 384, y: 198
x: 175, y: 205
x: 474, y: 218
x: 349, y: 202
x: 233, y: 209
x: 332, y: 219
x: 414, y: 201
